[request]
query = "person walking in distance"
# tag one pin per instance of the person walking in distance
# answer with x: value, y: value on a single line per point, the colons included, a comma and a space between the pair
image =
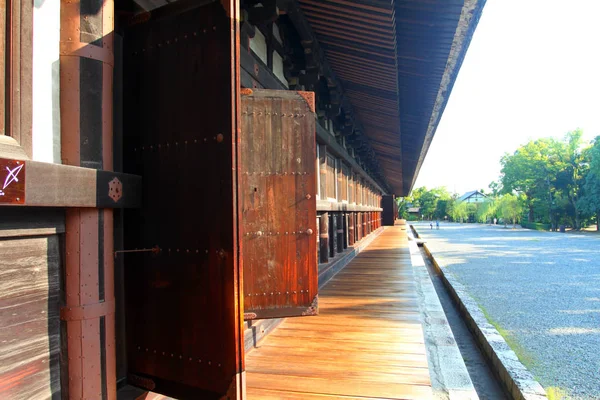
x: 431, y: 225
x: 437, y: 224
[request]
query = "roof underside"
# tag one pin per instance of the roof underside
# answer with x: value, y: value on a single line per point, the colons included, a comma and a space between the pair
x: 397, y: 62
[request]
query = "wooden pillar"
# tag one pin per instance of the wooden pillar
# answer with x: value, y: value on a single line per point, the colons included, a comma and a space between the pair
x: 86, y: 100
x: 346, y: 225
x: 364, y: 224
x: 324, y: 238
x: 351, y: 232
x: 340, y: 232
x: 390, y: 210
x: 332, y: 234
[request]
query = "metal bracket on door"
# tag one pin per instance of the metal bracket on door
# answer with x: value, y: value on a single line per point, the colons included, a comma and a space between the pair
x: 155, y: 250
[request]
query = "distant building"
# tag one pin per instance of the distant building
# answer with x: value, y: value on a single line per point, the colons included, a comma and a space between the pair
x: 414, y: 211
x: 474, y: 196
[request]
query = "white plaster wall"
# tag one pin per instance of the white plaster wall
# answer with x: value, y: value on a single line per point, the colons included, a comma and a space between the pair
x: 258, y: 44
x: 278, y: 68
x: 46, y: 81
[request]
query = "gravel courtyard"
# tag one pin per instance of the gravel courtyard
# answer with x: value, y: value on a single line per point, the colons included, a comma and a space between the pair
x: 542, y: 288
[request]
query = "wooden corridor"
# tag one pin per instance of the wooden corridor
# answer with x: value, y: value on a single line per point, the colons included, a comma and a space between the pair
x: 366, y: 342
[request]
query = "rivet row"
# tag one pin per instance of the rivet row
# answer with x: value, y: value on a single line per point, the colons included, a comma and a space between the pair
x: 274, y: 173
x: 168, y: 145
x: 277, y: 293
x: 283, y: 115
x: 176, y: 39
x: 261, y: 233
x: 173, y: 355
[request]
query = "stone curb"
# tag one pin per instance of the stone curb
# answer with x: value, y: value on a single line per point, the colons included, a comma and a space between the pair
x: 517, y: 380
x: 450, y: 379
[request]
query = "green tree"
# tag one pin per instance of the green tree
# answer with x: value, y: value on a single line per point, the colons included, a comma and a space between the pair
x: 531, y: 170
x: 510, y: 208
x: 429, y: 201
x: 572, y: 170
x: 487, y: 210
x: 460, y: 211
x: 402, y: 203
x: 495, y: 188
x: 589, y: 202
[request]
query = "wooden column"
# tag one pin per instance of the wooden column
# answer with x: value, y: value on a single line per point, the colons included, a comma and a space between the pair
x: 390, y: 210
x: 332, y: 234
x: 364, y: 224
x: 346, y: 220
x: 351, y: 231
x: 340, y: 232
x: 324, y: 238
x: 86, y: 99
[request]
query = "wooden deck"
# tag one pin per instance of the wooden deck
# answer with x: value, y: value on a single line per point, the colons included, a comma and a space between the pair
x: 367, y: 342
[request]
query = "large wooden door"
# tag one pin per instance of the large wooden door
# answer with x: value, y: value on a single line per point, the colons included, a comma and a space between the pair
x: 183, y: 313
x: 277, y: 194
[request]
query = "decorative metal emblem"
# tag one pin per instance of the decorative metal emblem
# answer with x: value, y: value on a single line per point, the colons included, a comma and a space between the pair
x: 115, y: 189
x: 12, y: 181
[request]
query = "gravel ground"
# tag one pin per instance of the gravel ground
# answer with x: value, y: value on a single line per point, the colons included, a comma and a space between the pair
x: 542, y: 288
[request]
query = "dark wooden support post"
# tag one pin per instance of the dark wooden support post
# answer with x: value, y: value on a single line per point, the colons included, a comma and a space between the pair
x: 86, y: 106
x: 364, y: 224
x: 351, y: 231
x: 332, y: 234
x: 340, y: 232
x: 346, y: 217
x: 389, y: 209
x: 324, y: 238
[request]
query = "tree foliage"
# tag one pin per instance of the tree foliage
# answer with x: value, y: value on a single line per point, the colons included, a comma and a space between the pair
x: 589, y: 202
x: 433, y: 203
x: 553, y: 179
x: 510, y: 208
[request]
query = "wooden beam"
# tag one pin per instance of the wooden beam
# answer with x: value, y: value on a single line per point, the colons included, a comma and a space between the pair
x: 57, y: 185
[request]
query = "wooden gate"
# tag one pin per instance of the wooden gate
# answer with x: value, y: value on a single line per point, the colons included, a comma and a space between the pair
x: 278, y: 196
x: 183, y: 313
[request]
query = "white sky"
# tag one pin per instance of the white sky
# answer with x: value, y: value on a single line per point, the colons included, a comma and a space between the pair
x: 532, y: 70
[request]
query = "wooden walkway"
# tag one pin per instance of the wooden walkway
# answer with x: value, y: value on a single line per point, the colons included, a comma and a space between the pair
x: 366, y: 343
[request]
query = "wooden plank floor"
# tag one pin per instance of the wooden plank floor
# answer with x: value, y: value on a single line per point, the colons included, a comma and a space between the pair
x: 366, y: 343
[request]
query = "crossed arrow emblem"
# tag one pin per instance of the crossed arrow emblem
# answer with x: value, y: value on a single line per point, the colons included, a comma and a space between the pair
x: 12, y: 175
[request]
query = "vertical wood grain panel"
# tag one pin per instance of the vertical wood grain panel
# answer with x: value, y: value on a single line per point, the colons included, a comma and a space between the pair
x: 29, y: 318
x: 278, y: 195
x: 183, y: 319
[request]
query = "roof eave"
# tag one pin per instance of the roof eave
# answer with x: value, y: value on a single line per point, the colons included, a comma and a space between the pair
x: 469, y: 18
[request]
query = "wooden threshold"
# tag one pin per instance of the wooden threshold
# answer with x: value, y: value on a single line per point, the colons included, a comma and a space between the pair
x: 366, y: 343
